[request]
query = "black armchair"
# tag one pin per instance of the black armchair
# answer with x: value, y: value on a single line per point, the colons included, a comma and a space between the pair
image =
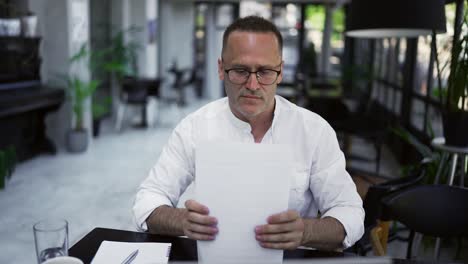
x: 372, y: 206
x: 434, y: 210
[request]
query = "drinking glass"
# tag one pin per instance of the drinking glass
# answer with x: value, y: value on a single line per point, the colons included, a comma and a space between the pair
x: 51, y: 239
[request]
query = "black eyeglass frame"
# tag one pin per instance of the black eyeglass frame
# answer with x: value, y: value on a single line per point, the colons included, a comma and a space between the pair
x: 278, y: 72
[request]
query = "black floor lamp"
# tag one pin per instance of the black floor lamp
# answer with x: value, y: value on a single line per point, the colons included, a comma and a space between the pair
x: 395, y: 18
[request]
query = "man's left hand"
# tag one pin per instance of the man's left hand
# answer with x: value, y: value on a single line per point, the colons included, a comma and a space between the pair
x: 283, y: 231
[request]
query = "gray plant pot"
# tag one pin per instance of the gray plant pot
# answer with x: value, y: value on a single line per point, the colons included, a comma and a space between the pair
x: 77, y: 140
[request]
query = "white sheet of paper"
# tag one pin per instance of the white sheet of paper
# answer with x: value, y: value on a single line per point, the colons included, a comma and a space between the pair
x: 241, y: 184
x: 148, y: 252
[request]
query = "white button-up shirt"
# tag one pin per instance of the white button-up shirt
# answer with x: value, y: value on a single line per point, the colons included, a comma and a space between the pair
x: 320, y: 184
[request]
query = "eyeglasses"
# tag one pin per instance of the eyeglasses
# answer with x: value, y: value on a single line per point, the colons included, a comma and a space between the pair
x: 241, y: 76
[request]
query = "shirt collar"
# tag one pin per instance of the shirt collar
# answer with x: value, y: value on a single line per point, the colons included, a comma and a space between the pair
x: 277, y: 111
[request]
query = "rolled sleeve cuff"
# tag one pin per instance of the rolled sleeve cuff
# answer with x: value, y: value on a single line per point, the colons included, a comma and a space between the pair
x: 143, y: 207
x: 352, y: 219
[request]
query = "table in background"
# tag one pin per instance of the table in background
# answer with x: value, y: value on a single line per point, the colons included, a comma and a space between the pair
x: 182, y: 249
x: 447, y: 152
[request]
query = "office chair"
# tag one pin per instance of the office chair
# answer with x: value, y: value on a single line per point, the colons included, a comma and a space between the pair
x: 433, y: 210
x: 372, y: 207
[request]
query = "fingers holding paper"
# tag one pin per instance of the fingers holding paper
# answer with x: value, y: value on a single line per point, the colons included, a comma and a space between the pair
x: 282, y: 231
x: 198, y: 224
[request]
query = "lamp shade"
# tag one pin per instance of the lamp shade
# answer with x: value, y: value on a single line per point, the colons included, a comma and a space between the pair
x: 395, y: 18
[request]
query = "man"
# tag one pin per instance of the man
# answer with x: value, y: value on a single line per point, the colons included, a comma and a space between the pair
x: 251, y: 68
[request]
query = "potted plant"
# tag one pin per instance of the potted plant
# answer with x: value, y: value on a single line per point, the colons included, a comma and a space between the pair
x: 119, y: 59
x: 424, y: 150
x: 80, y: 91
x: 454, y: 99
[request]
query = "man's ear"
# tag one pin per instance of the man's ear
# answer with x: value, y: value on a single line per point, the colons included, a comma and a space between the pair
x: 280, y: 76
x: 220, y: 69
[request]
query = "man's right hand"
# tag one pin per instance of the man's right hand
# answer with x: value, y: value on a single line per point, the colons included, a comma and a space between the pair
x: 198, y: 224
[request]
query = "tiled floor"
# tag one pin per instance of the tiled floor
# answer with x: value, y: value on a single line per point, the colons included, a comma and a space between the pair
x: 93, y: 189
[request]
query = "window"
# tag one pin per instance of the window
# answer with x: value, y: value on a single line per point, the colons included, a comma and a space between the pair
x: 287, y: 17
x: 314, y: 26
x: 393, y: 57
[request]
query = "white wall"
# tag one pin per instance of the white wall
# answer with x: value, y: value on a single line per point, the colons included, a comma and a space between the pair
x: 53, y: 54
x: 141, y: 12
x: 152, y: 48
x: 63, y: 29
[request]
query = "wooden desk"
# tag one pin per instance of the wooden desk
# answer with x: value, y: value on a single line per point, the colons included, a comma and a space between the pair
x: 183, y: 249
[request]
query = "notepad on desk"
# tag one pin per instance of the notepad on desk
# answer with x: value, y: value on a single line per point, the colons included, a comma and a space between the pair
x: 148, y: 252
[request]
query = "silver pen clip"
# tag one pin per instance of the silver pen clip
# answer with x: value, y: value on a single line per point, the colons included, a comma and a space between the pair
x: 130, y: 257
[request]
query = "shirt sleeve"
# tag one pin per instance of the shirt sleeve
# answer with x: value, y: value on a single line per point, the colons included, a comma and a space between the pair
x: 333, y: 189
x: 169, y: 178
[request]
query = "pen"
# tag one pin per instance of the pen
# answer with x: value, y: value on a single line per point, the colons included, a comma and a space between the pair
x: 130, y: 257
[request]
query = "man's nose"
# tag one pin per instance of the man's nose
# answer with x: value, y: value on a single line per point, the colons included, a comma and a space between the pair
x: 252, y: 82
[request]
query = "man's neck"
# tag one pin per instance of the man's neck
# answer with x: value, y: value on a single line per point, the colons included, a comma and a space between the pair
x: 260, y: 123
x: 260, y: 126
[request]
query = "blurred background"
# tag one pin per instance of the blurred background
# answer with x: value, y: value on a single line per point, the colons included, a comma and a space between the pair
x: 90, y: 91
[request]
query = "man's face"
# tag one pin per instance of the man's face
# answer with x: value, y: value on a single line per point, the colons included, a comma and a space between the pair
x: 250, y: 51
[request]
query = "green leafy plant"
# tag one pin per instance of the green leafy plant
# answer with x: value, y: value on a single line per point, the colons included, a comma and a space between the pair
x: 80, y: 90
x: 424, y: 150
x: 101, y: 107
x: 455, y: 96
x: 120, y: 57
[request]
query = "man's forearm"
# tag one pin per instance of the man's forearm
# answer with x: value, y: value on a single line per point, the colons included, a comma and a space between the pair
x: 166, y: 220
x: 325, y: 233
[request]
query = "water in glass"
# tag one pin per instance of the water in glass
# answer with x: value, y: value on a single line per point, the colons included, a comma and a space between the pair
x: 49, y: 253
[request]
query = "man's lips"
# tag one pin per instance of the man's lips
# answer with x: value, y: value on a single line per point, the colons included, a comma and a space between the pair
x: 251, y: 96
